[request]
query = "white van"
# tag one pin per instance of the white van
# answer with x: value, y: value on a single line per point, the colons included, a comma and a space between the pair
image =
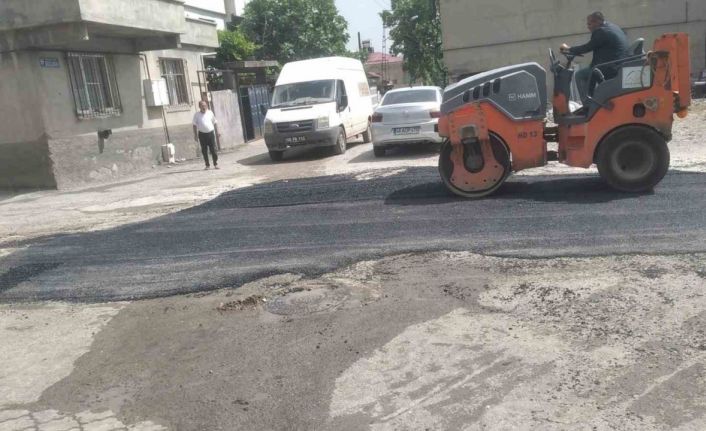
x: 319, y: 103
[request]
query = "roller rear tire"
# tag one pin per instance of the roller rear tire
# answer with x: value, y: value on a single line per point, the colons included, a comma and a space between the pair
x: 633, y: 159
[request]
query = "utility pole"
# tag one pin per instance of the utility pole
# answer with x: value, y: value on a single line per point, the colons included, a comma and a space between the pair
x: 360, y: 46
x: 383, y: 65
x: 436, y: 10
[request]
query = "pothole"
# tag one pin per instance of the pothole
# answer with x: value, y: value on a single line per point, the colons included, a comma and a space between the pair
x: 309, y: 301
x: 290, y: 294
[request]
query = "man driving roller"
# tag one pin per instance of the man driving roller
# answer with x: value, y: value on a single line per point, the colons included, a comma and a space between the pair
x: 608, y: 43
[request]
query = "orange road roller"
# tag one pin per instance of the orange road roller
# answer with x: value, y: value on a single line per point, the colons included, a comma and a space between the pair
x: 495, y: 123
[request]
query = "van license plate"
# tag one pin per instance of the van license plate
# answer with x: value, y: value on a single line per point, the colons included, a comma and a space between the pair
x: 295, y: 140
x: 401, y: 131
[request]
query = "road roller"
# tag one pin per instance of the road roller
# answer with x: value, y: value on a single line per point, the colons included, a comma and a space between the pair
x: 496, y: 123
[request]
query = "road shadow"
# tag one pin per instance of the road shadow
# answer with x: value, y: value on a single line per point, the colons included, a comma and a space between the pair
x: 407, y: 152
x: 185, y: 172
x: 574, y: 189
x: 6, y: 195
x: 287, y: 226
x: 295, y: 155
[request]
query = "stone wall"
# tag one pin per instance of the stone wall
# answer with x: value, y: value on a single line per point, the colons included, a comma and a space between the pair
x: 154, y: 15
x: 43, y: 142
x: 85, y: 159
x: 26, y: 165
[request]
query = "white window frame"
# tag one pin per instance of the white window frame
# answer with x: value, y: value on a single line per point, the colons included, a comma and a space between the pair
x: 94, y: 85
x: 176, y: 76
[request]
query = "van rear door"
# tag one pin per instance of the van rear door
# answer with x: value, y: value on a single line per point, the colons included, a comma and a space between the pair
x: 345, y: 113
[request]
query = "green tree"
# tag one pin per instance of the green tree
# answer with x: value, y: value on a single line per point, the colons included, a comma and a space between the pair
x: 415, y: 28
x: 288, y: 30
x: 233, y: 46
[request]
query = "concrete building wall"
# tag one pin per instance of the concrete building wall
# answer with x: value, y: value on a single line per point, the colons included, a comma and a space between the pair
x: 395, y: 73
x: 201, y: 34
x: 485, y: 34
x: 211, y: 11
x: 162, y: 15
x: 152, y: 15
x: 57, y: 102
x: 24, y: 158
x: 18, y: 14
x: 178, y: 118
x: 80, y: 157
x: 20, y: 115
x: 235, y: 7
x: 43, y: 142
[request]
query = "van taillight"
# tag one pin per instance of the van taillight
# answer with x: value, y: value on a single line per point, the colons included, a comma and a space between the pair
x: 377, y: 118
x: 435, y: 114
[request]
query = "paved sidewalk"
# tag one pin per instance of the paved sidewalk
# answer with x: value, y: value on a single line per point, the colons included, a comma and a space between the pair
x: 29, y: 215
x: 166, y: 189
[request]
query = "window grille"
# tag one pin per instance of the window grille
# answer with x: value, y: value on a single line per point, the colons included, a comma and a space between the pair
x: 94, y: 86
x: 173, y: 72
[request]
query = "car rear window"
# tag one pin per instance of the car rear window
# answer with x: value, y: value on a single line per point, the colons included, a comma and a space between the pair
x: 411, y: 96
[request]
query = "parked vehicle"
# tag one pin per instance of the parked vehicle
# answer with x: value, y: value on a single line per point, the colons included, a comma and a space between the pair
x: 407, y: 116
x: 698, y: 86
x: 496, y: 122
x: 319, y: 103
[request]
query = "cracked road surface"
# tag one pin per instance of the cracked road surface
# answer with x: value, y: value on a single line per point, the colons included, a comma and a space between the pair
x: 565, y: 305
x: 314, y: 225
x: 438, y: 341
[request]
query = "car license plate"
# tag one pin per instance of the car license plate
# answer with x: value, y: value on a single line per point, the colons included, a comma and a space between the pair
x: 295, y: 140
x: 401, y: 131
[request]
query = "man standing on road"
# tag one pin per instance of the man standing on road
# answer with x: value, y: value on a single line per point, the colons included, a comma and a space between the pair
x: 608, y: 43
x: 205, y: 131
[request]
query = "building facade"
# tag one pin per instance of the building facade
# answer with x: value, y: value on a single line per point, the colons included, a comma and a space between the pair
x: 480, y: 35
x: 389, y: 68
x: 75, y: 78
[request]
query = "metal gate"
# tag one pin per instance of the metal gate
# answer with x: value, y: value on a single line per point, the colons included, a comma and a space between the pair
x: 225, y: 106
x: 255, y: 100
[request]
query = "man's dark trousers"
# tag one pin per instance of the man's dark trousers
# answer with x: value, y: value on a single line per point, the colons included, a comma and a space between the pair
x: 208, y: 142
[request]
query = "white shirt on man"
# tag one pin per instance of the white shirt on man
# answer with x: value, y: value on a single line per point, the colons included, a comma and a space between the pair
x: 205, y: 122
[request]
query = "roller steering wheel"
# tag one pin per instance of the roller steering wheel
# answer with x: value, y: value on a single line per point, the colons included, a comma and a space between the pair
x: 570, y: 58
x: 553, y: 60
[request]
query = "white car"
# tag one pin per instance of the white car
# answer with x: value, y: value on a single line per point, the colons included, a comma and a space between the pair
x: 407, y: 116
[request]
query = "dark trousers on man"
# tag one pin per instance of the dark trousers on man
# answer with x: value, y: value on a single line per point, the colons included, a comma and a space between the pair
x: 208, y: 143
x: 583, y: 82
x: 586, y: 81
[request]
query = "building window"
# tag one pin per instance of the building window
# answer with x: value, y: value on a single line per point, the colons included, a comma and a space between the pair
x: 93, y: 85
x: 173, y: 71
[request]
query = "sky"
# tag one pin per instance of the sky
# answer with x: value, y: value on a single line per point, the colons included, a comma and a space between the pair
x: 362, y: 16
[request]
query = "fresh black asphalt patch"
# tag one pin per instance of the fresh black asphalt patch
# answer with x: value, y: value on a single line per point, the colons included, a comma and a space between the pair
x: 314, y: 225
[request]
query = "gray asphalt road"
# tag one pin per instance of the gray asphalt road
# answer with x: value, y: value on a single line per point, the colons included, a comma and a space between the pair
x: 314, y: 225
